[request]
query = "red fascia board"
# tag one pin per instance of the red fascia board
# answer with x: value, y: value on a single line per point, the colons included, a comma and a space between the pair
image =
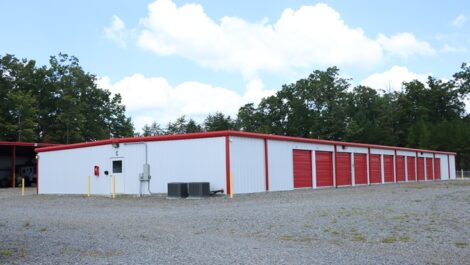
x: 26, y: 144
x: 229, y: 133
x: 136, y: 140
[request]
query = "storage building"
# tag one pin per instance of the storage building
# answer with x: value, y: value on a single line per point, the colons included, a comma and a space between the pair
x: 237, y: 162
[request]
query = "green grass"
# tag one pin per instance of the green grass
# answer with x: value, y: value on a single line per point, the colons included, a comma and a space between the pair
x: 461, y: 244
x: 389, y: 240
x: 6, y: 252
x: 358, y: 237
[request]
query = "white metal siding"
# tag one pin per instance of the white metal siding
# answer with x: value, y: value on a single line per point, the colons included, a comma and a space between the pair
x: 352, y: 149
x: 425, y: 155
x: 375, y: 151
x: 247, y: 165
x: 452, y: 166
x: 66, y: 171
x: 405, y: 153
x: 191, y: 160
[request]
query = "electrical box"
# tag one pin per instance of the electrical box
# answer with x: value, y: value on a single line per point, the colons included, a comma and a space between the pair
x: 145, y: 175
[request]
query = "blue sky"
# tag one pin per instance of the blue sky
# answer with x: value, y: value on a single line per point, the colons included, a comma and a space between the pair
x: 169, y: 58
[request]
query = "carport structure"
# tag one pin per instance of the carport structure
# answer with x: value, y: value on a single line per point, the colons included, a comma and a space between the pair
x: 14, y: 155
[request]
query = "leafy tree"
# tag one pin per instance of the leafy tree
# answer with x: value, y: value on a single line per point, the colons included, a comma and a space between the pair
x: 153, y: 130
x: 218, y: 122
x: 182, y: 125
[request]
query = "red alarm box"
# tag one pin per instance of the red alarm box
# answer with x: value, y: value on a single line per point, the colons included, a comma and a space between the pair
x: 97, y: 171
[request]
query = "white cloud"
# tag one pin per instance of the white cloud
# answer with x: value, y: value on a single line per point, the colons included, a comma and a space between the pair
x: 404, y: 45
x: 149, y: 99
x: 391, y: 80
x: 117, y: 32
x: 459, y: 21
x: 452, y: 49
x: 310, y: 35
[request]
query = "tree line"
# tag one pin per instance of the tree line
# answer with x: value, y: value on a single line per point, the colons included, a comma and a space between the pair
x: 58, y: 103
x: 61, y: 103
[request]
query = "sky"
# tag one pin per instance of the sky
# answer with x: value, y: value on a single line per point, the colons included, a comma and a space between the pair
x: 169, y: 58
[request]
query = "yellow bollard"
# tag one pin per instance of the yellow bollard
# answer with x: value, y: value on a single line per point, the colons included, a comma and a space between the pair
x: 89, y: 186
x: 114, y: 186
x: 22, y: 186
x: 231, y: 186
x: 461, y: 174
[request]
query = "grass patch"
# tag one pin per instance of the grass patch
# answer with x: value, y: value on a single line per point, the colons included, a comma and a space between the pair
x: 358, y: 237
x: 43, y: 229
x: 26, y: 224
x: 286, y: 238
x: 461, y: 244
x: 6, y: 252
x: 99, y: 254
x: 404, y: 239
x: 389, y: 240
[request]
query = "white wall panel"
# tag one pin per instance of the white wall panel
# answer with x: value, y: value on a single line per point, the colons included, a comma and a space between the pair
x: 405, y: 153
x: 352, y: 149
x: 420, y: 154
x: 376, y: 151
x: 452, y: 167
x: 191, y: 160
x: 66, y: 171
x: 247, y: 165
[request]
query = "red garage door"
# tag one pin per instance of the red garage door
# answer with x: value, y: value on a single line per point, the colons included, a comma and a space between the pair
x: 411, y: 167
x: 400, y: 168
x: 360, y: 168
x: 429, y: 169
x: 343, y: 169
x: 388, y: 168
x: 375, y: 169
x: 324, y: 168
x: 437, y: 168
x: 420, y: 168
x: 302, y: 168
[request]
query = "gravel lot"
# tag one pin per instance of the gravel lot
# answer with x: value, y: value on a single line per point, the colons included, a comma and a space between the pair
x: 424, y: 223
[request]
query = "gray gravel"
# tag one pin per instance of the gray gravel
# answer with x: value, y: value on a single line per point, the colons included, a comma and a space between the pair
x: 424, y: 223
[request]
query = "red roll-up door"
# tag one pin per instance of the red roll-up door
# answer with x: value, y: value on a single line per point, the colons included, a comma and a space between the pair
x: 343, y: 169
x: 429, y: 169
x: 420, y: 168
x: 375, y: 169
x: 400, y: 168
x: 388, y: 168
x: 302, y: 168
x: 411, y: 167
x: 360, y: 168
x: 437, y: 168
x: 324, y: 168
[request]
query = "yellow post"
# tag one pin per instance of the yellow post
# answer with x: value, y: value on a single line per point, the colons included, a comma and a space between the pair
x: 22, y: 186
x: 89, y: 186
x: 231, y: 186
x: 461, y: 174
x: 114, y: 186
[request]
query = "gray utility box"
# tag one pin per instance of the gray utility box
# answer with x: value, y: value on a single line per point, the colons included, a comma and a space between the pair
x: 177, y: 189
x: 199, y: 189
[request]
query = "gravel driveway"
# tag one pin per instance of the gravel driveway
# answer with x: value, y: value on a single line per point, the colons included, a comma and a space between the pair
x: 419, y: 223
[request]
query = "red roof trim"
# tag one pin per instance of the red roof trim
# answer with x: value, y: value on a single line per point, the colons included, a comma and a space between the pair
x: 26, y: 144
x: 228, y: 133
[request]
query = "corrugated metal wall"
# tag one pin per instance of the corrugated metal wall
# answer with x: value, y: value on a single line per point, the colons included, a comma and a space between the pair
x: 192, y: 160
x: 247, y: 165
x: 66, y: 171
